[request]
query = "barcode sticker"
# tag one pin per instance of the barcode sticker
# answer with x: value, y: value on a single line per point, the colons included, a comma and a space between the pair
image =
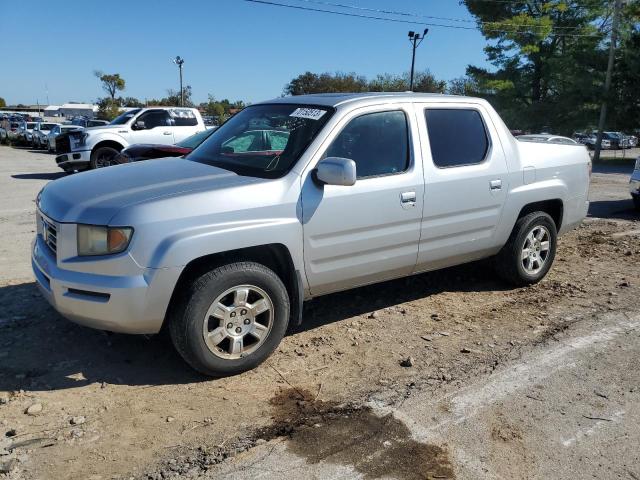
x: 310, y: 113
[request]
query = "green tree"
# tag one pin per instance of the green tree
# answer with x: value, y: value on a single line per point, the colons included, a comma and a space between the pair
x: 130, y: 102
x: 108, y: 108
x: 111, y: 83
x: 325, y: 83
x: 3, y: 103
x: 549, y: 59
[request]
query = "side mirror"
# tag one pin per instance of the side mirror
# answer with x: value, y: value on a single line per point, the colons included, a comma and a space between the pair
x: 139, y: 125
x: 336, y: 171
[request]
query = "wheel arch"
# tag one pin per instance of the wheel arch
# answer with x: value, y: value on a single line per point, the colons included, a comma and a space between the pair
x: 108, y: 143
x: 274, y: 256
x: 554, y: 208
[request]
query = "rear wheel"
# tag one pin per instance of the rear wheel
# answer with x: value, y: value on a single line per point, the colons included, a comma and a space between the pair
x: 230, y: 319
x: 102, y: 157
x: 528, y: 254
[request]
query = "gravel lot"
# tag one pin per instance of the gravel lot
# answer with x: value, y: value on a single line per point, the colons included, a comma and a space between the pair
x: 538, y: 382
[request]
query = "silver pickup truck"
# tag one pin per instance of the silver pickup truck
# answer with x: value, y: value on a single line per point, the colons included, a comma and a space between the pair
x: 295, y: 198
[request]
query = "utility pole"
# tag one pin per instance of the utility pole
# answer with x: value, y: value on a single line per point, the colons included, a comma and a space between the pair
x: 415, y: 40
x: 180, y: 61
x: 607, y: 82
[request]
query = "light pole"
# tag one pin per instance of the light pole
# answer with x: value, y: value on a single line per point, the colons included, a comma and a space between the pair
x: 180, y: 61
x: 415, y: 40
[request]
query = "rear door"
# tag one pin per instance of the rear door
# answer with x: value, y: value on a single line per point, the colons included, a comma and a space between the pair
x: 465, y: 183
x: 367, y: 232
x: 183, y: 123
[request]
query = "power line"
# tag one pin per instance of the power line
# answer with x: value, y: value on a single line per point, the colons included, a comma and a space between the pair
x: 416, y: 15
x: 396, y: 20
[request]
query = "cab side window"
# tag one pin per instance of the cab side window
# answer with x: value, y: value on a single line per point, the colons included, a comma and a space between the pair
x: 155, y: 118
x: 457, y: 136
x: 377, y: 142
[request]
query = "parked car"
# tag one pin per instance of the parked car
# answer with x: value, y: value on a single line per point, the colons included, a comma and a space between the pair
x: 634, y: 185
x: 143, y: 151
x: 55, y: 131
x: 547, y: 138
x: 40, y: 133
x: 589, y: 140
x: 25, y: 133
x: 633, y: 141
x: 222, y: 247
x: 13, y: 131
x: 97, y: 146
x: 88, y: 122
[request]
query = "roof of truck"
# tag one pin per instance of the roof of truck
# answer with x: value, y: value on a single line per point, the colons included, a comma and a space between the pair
x: 336, y: 99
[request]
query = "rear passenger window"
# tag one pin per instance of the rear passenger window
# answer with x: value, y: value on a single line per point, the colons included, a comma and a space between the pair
x: 377, y: 142
x: 182, y: 117
x: 457, y: 137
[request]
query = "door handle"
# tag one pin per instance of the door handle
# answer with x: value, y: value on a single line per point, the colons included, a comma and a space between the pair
x: 408, y: 198
x: 495, y: 185
x: 166, y: 133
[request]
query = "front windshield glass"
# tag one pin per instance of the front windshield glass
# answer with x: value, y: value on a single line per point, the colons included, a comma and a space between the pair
x: 47, y: 126
x: 30, y: 125
x: 125, y: 117
x: 263, y: 140
x: 194, y: 140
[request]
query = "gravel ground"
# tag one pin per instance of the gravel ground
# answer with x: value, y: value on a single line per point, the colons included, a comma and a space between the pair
x: 398, y: 358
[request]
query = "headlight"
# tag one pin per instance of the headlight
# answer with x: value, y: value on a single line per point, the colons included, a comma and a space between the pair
x: 81, y: 139
x: 93, y: 240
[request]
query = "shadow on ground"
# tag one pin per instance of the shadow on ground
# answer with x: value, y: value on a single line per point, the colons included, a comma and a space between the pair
x: 40, y: 350
x: 619, y: 209
x: 39, y: 176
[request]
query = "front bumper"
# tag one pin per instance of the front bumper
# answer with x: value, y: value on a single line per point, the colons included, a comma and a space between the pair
x: 126, y: 304
x: 74, y: 160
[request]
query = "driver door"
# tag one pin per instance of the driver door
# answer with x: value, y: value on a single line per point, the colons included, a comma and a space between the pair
x: 367, y: 232
x: 156, y: 128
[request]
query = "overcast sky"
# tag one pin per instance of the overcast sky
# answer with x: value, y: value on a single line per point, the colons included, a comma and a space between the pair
x: 232, y: 48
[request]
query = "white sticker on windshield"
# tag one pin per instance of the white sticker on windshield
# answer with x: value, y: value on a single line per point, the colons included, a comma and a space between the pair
x: 310, y: 113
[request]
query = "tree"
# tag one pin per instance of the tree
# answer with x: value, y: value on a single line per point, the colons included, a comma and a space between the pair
x: 3, y: 103
x: 111, y: 83
x: 325, y: 83
x: 108, y: 108
x: 130, y: 102
x: 549, y: 60
x: 310, y: 82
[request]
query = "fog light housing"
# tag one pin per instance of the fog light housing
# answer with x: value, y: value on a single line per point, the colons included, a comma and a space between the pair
x: 98, y: 240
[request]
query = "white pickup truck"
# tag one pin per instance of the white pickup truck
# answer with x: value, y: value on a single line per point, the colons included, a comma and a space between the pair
x: 96, y: 147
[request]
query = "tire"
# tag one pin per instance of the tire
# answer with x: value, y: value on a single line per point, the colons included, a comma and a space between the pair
x: 188, y: 327
x: 636, y: 202
x: 510, y: 264
x: 101, y: 157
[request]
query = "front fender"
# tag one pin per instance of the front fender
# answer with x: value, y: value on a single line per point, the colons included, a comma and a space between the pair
x: 105, y: 137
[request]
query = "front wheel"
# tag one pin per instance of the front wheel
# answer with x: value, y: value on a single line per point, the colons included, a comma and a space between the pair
x: 230, y: 319
x: 102, y: 157
x: 528, y: 254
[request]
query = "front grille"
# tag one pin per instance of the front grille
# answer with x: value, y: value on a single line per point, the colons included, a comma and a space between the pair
x: 49, y: 234
x: 63, y: 143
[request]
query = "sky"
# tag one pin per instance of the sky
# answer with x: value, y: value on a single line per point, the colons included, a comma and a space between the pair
x: 232, y: 48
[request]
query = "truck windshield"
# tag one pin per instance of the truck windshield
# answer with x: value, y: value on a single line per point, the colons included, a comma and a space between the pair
x: 263, y: 140
x: 125, y: 117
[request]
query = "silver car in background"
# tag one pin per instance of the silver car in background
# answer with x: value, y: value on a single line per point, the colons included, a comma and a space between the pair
x: 40, y: 134
x: 54, y: 132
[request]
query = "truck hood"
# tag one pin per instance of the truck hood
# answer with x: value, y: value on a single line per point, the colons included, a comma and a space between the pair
x: 95, y: 197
